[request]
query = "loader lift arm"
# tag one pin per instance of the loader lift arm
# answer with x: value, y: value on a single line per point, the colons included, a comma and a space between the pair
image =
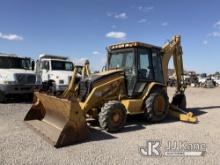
x: 70, y: 90
x: 178, y: 105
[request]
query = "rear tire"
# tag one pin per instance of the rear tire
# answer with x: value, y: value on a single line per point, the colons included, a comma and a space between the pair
x: 156, y: 106
x: 112, y: 117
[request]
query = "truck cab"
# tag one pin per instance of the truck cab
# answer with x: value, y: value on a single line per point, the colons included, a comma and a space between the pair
x: 16, y: 76
x: 55, y: 72
x: 202, y: 78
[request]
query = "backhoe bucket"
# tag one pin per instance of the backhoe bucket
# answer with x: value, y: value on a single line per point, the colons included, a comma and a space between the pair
x: 182, y: 115
x: 60, y: 121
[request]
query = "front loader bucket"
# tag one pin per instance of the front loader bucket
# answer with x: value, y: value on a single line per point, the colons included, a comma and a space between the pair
x: 60, y: 121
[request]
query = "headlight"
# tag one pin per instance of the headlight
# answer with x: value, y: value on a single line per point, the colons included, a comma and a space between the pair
x: 61, y: 81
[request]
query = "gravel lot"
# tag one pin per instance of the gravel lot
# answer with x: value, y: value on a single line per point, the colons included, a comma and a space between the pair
x: 20, y: 145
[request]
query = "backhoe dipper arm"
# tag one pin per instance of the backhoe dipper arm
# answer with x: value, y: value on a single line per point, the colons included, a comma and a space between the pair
x: 173, y: 48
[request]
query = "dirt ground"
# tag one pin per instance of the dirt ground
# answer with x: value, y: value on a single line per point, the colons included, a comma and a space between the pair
x: 20, y: 145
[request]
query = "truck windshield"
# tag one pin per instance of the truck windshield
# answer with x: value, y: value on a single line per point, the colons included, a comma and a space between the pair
x: 123, y: 59
x: 61, y: 65
x: 14, y: 62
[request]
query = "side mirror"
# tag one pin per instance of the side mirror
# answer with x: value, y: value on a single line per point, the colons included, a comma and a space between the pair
x: 47, y: 68
x: 104, y: 68
x: 32, y: 65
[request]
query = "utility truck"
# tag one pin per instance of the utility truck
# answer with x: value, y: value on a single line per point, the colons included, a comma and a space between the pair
x: 16, y: 76
x: 54, y: 71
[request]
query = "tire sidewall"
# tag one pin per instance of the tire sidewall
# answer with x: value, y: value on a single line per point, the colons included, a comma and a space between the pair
x: 150, y: 111
x: 2, y: 97
x: 105, y: 116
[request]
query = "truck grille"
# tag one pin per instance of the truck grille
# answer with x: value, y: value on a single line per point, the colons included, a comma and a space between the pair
x: 25, y: 78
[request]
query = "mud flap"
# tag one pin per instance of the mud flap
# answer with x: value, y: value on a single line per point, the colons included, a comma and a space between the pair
x: 60, y: 121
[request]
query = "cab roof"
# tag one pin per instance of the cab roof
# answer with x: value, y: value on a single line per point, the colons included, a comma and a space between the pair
x: 12, y: 55
x: 53, y: 57
x: 131, y: 45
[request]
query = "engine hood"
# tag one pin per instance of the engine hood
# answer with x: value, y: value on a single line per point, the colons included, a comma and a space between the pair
x: 102, y: 75
x: 61, y: 74
x: 109, y: 72
x: 8, y: 74
x: 58, y: 76
x: 14, y: 71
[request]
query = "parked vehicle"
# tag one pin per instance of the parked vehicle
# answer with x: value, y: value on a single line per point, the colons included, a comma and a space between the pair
x: 202, y: 78
x: 191, y: 79
x: 16, y: 76
x: 210, y: 83
x: 217, y: 79
x: 134, y: 82
x: 54, y: 71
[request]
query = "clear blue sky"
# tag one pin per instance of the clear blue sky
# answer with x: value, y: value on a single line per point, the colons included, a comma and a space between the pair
x: 82, y: 29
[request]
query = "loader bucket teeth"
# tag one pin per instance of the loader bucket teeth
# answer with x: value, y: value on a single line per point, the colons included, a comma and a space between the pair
x: 60, y: 121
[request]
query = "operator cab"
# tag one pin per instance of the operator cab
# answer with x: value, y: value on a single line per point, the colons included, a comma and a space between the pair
x: 142, y: 64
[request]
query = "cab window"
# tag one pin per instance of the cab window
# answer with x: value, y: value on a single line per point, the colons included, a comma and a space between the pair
x: 144, y: 64
x: 157, y: 65
x: 122, y: 59
x: 45, y: 65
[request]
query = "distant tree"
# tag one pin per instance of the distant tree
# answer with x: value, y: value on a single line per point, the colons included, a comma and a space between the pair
x: 217, y: 73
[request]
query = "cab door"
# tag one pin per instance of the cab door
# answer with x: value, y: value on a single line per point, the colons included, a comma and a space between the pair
x: 157, y: 66
x: 130, y: 72
x: 45, y: 67
x: 144, y: 70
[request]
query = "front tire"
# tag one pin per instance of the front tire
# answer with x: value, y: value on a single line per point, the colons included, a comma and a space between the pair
x: 2, y: 97
x: 52, y: 90
x: 156, y: 106
x: 112, y: 117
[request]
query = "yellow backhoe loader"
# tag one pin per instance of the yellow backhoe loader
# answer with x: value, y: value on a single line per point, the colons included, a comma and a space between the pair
x: 134, y: 82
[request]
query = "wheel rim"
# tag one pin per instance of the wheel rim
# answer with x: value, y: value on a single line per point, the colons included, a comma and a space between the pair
x: 116, y: 117
x: 159, y: 105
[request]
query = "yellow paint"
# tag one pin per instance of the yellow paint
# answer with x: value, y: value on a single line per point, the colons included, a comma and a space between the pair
x: 187, y: 117
x: 135, y: 106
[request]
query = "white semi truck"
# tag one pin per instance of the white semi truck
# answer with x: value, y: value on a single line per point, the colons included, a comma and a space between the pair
x: 16, y: 76
x: 54, y: 71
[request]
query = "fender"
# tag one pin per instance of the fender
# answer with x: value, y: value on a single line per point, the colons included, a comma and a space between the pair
x: 135, y: 106
x: 151, y: 86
